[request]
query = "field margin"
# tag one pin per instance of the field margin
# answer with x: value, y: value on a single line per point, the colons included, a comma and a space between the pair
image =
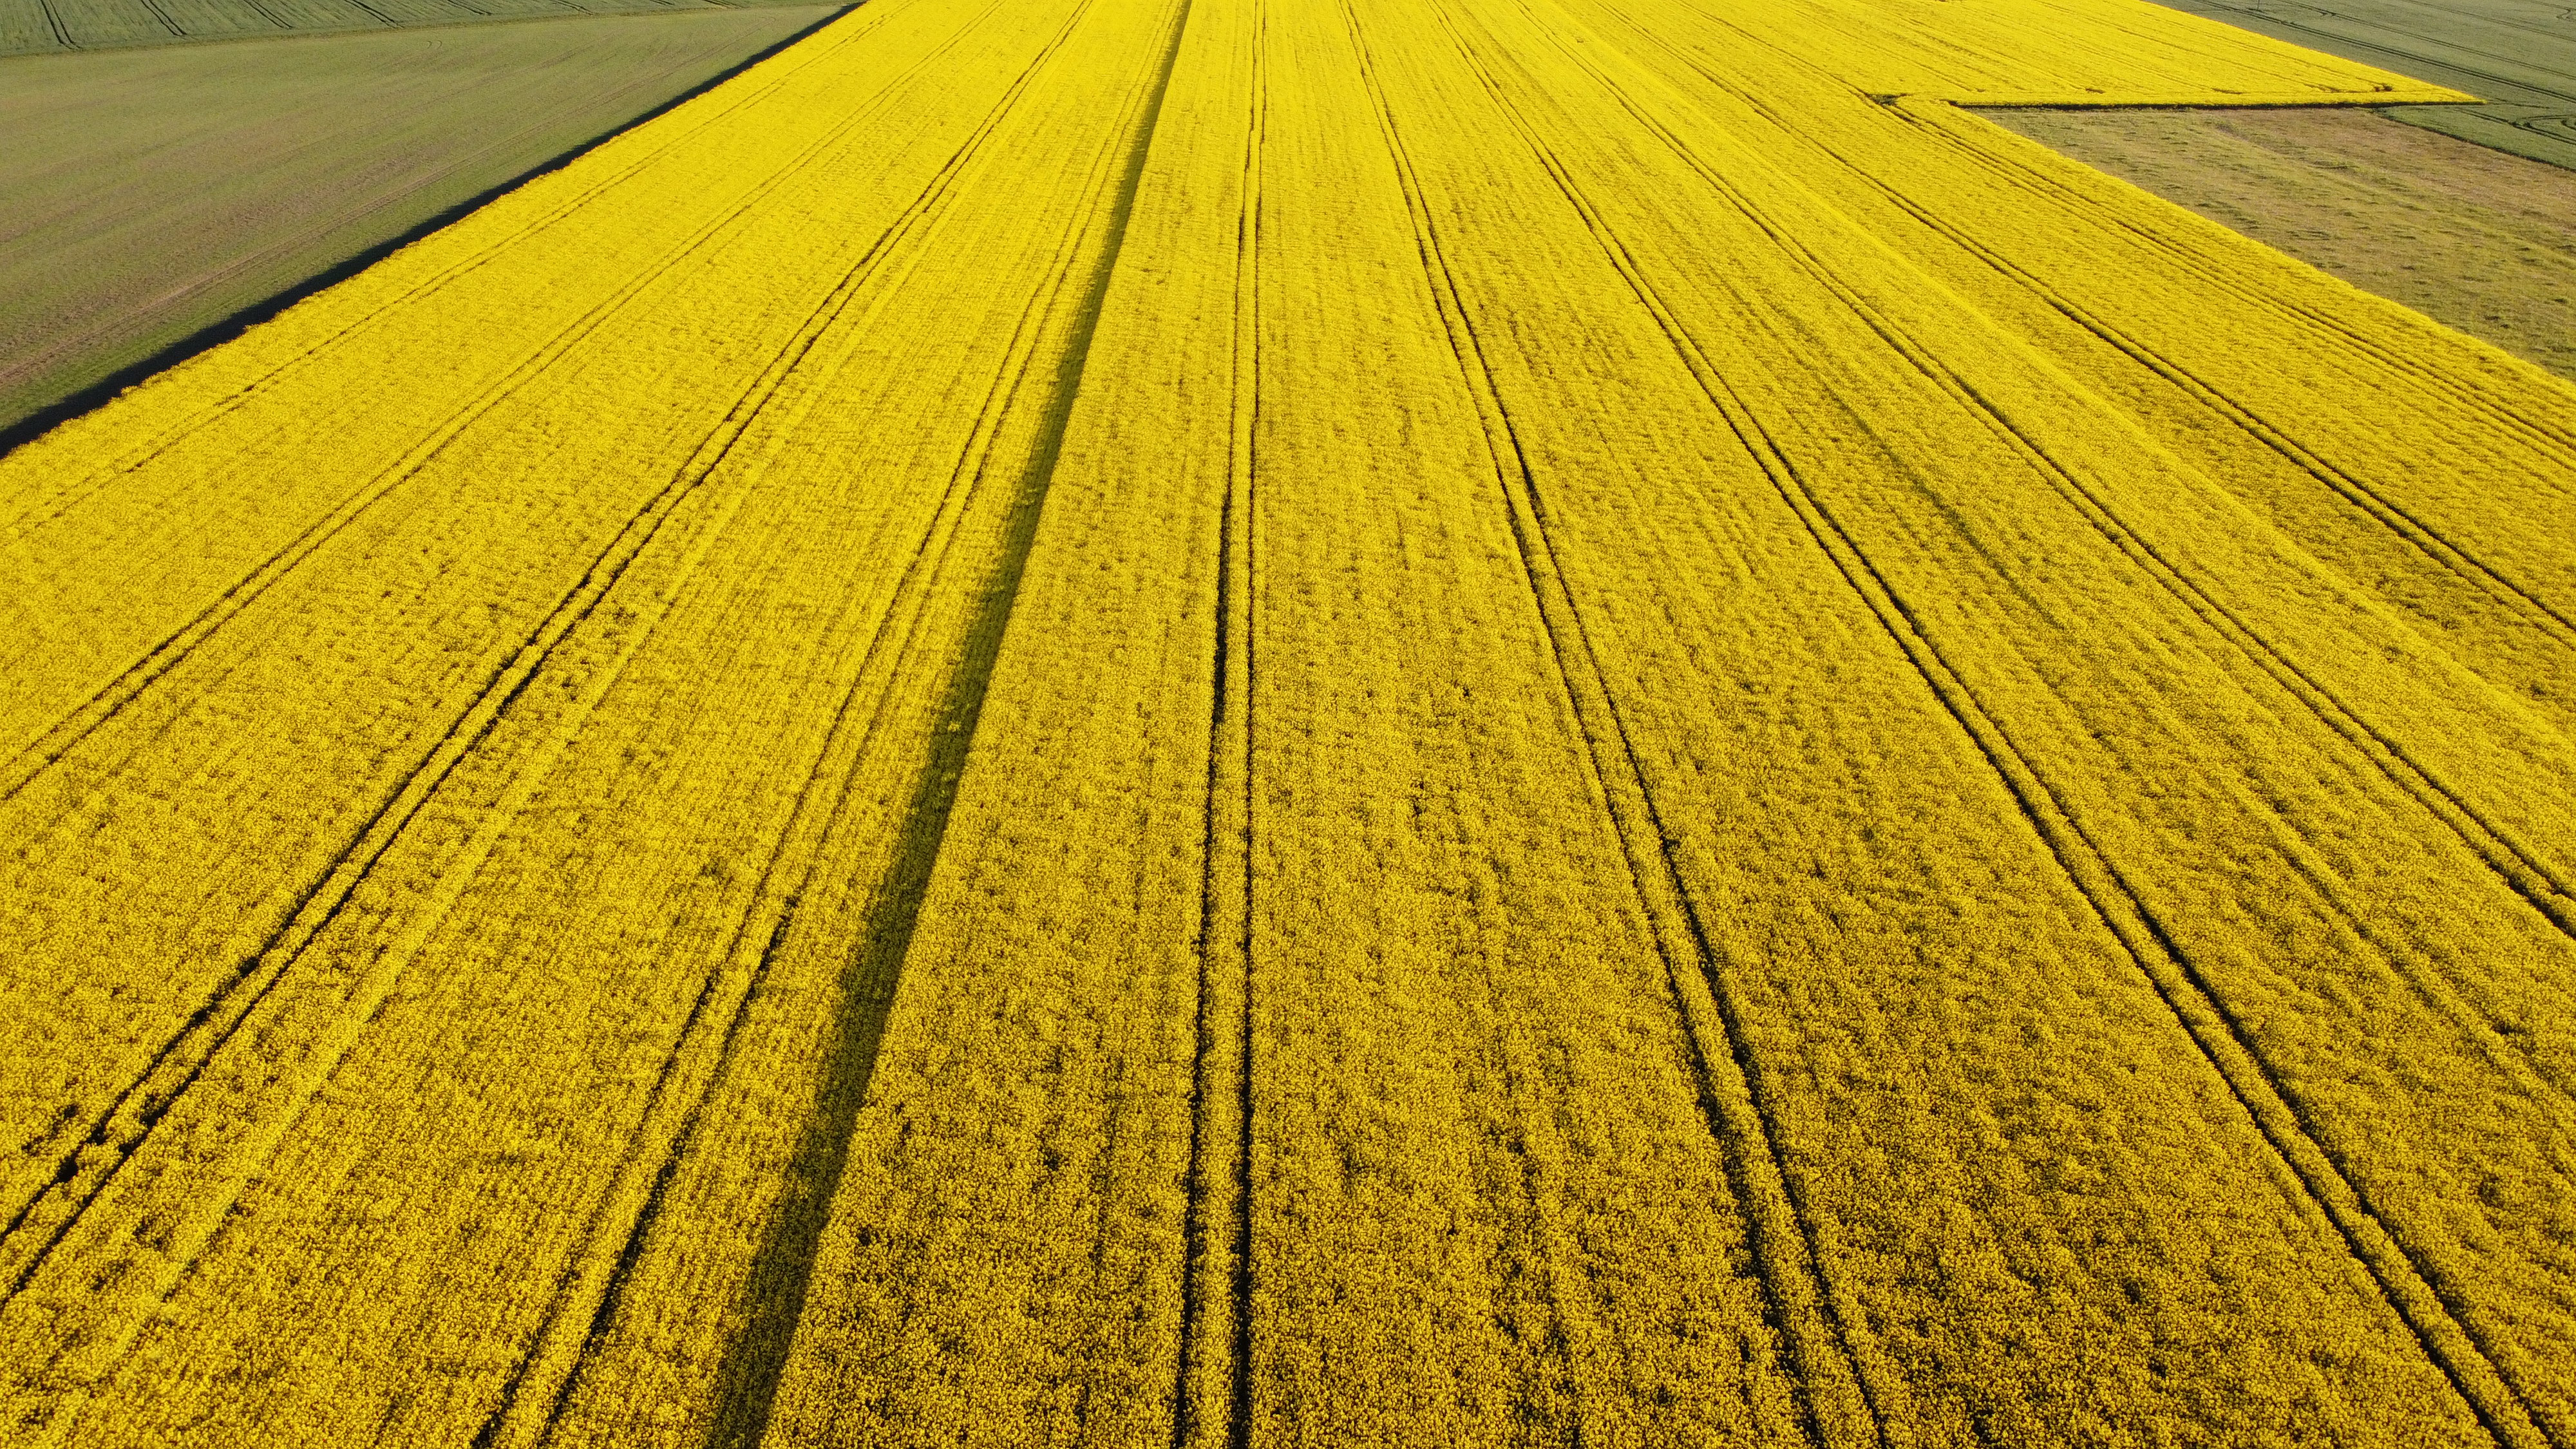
x: 224, y: 329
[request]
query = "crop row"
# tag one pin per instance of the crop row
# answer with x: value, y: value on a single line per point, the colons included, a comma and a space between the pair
x: 1409, y: 721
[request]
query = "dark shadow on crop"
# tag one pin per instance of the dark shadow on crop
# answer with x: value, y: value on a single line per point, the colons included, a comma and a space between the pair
x: 783, y: 1271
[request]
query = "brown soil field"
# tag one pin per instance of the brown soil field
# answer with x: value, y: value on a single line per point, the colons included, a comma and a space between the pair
x: 146, y: 195
x: 2471, y: 237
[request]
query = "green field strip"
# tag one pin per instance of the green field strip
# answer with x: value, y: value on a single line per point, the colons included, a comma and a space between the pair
x: 322, y: 15
x: 93, y: 23
x: 254, y: 173
x: 2477, y: 48
x: 426, y: 12
x: 212, y: 19
x: 2517, y: 56
x: 24, y: 28
x: 2542, y: 133
x: 30, y: 27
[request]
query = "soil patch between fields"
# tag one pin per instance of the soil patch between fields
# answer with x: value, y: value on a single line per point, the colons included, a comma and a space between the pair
x: 2472, y: 237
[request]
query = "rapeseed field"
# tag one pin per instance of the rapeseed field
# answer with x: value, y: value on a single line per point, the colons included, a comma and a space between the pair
x: 1310, y: 722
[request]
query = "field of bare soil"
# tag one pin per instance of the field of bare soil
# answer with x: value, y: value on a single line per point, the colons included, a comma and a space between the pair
x: 2479, y: 239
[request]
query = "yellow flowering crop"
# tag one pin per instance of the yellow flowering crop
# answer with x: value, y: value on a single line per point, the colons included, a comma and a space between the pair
x: 1310, y: 722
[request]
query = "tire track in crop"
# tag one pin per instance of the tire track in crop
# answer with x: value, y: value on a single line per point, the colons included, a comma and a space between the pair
x: 66, y: 734
x: 1435, y: 277
x: 870, y: 990
x: 163, y: 16
x: 1838, y: 1382
x: 121, y: 1141
x: 429, y: 287
x: 249, y: 973
x: 2383, y: 510
x: 2478, y: 573
x: 2409, y: 1290
x: 2541, y: 435
x: 136, y: 457
x: 2026, y: 178
x: 204, y: 1034
x: 838, y: 760
x: 54, y: 21
x: 2498, y: 1403
x: 1209, y: 1411
x: 2391, y: 515
x: 781, y: 1277
x: 2520, y: 868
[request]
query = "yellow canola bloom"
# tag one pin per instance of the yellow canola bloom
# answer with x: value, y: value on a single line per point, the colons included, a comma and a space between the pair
x: 1310, y: 721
